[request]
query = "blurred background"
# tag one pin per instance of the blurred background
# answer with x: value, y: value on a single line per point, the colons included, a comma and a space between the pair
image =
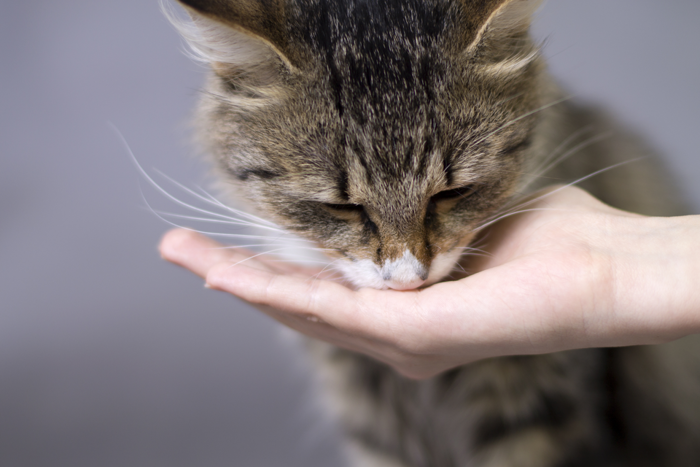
x: 111, y: 357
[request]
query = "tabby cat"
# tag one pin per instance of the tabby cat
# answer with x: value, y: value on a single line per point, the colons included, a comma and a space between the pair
x: 387, y: 132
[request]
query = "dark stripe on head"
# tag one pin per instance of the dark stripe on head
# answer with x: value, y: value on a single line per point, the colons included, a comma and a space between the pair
x: 425, y: 155
x: 343, y: 185
x: 322, y: 34
x: 409, y: 155
x: 375, y: 51
x: 425, y: 76
x: 365, y: 166
x: 447, y: 159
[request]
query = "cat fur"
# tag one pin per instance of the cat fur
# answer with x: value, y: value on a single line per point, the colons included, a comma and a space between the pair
x: 388, y: 132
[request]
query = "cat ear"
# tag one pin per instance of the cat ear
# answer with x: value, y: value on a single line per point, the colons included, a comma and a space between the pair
x: 501, y: 27
x: 240, y: 35
x: 497, y: 18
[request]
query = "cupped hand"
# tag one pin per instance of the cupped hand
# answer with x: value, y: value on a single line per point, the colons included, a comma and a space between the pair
x: 569, y: 272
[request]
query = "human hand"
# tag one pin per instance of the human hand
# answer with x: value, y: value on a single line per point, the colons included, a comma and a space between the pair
x: 569, y: 273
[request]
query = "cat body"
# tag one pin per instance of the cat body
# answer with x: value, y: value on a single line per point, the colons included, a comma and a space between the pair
x: 388, y: 133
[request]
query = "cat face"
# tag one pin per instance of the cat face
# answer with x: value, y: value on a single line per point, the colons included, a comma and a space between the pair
x: 383, y: 132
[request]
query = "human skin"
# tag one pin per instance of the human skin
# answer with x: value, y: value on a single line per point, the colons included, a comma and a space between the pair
x: 569, y: 272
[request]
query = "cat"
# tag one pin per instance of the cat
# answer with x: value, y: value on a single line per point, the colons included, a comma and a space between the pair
x: 388, y: 133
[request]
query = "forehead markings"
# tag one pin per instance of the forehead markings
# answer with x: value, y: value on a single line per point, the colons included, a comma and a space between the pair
x: 447, y: 160
x: 409, y: 154
x: 374, y: 48
x: 426, y: 154
x: 343, y: 183
x: 365, y: 166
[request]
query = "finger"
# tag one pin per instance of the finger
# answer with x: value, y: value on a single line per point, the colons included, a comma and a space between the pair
x: 320, y: 330
x: 411, y: 366
x: 193, y: 251
x: 302, y: 296
x: 199, y: 254
x: 368, y: 342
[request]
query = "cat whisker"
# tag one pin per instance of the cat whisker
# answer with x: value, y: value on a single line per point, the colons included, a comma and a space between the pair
x: 203, y: 232
x: 281, y: 233
x: 241, y: 247
x: 554, y: 159
x: 236, y: 211
x: 300, y: 261
x: 153, y: 183
x: 238, y: 221
x: 215, y: 202
x: 517, y: 209
x: 508, y: 99
x: 517, y: 119
x: 214, y: 216
x: 229, y: 221
x: 513, y: 203
x: 509, y: 214
x: 233, y: 247
x: 589, y: 142
x: 330, y: 265
x: 264, y: 253
x: 476, y: 252
x: 561, y: 147
x: 586, y: 177
x: 457, y: 265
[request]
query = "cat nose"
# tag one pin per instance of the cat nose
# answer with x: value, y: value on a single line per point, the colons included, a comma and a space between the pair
x: 404, y: 273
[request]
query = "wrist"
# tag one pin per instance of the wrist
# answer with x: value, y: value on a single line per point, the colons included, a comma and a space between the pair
x: 656, y: 272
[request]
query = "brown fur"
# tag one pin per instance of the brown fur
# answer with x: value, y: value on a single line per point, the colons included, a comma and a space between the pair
x: 388, y: 129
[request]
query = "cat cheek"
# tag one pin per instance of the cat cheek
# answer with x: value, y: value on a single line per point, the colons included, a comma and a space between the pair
x: 443, y: 264
x: 362, y: 273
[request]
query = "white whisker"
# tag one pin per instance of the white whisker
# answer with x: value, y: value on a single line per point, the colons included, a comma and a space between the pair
x: 328, y: 266
x: 208, y: 198
x: 561, y: 147
x: 203, y: 232
x: 278, y: 244
x: 510, y: 214
x: 165, y: 192
x: 589, y: 142
x: 525, y: 115
x: 264, y: 253
x: 227, y: 221
x: 502, y: 215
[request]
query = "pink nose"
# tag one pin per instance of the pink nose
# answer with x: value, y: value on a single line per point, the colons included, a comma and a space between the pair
x: 405, y: 285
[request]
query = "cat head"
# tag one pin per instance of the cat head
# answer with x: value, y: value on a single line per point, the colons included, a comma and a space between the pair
x: 385, y: 131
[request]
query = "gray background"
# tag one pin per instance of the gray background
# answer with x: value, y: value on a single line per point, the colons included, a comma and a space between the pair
x: 111, y: 357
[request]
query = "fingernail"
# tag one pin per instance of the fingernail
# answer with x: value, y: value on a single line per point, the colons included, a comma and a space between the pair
x: 207, y: 286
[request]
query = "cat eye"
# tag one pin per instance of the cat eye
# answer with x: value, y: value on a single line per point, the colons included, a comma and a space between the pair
x: 455, y: 194
x: 350, y: 208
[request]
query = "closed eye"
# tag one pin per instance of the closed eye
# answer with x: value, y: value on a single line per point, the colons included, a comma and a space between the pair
x: 455, y: 194
x: 350, y: 208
